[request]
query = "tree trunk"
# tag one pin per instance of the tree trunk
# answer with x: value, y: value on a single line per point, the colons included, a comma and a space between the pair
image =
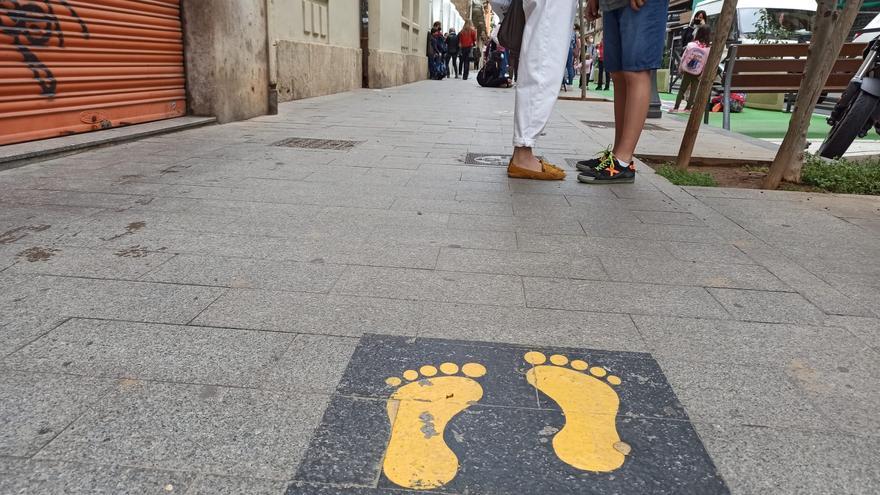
x: 719, y: 43
x: 830, y: 31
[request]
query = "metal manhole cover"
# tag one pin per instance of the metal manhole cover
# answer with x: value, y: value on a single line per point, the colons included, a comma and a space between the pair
x: 318, y: 144
x: 610, y: 125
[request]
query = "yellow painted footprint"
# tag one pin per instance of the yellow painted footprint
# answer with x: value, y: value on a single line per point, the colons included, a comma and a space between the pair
x: 589, y: 439
x: 417, y: 455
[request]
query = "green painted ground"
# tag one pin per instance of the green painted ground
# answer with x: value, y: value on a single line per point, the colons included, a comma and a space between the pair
x: 762, y: 124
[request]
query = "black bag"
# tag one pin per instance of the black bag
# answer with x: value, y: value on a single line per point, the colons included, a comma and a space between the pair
x: 510, y: 34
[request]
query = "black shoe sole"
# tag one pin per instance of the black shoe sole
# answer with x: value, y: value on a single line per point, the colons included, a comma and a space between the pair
x: 592, y: 180
x: 587, y: 165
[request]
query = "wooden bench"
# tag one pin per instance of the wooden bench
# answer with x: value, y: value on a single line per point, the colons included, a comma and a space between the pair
x: 779, y: 69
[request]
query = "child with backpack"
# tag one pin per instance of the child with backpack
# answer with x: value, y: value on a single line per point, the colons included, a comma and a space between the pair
x: 692, y: 63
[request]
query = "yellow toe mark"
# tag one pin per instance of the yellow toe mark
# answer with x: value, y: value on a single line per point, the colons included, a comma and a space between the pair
x: 410, y: 374
x: 535, y: 358
x: 473, y: 370
x: 449, y: 368
x: 559, y: 360
x: 589, y: 440
x: 417, y: 456
x: 393, y: 381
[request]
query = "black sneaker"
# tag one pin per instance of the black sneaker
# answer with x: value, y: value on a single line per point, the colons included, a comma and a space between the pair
x: 610, y: 172
x: 589, y: 166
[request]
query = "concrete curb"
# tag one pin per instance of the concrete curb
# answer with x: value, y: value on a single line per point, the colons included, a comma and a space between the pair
x: 17, y: 155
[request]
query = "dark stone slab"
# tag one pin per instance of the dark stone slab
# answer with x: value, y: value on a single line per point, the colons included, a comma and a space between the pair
x: 504, y: 443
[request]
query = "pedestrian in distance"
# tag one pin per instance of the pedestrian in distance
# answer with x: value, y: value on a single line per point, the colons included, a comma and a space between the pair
x: 634, y: 35
x: 602, y: 75
x: 572, y: 57
x: 467, y: 40
x: 690, y: 32
x: 693, y: 61
x: 546, y: 42
x: 589, y: 49
x: 452, y: 52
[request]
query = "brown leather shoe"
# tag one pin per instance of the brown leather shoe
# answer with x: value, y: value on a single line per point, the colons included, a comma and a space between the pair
x: 548, y: 172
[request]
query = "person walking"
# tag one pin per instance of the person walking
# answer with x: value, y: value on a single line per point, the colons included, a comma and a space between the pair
x: 452, y: 51
x: 693, y: 62
x: 467, y: 39
x: 634, y: 35
x: 572, y: 56
x: 600, y: 68
x: 545, y: 45
x: 589, y: 49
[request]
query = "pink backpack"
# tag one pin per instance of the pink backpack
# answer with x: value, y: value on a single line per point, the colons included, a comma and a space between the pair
x: 694, y: 59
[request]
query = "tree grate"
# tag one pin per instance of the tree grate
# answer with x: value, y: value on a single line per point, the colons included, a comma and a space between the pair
x: 610, y: 125
x: 318, y: 144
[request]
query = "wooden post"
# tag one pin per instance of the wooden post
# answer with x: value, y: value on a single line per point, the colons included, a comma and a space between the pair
x: 719, y: 43
x: 830, y: 31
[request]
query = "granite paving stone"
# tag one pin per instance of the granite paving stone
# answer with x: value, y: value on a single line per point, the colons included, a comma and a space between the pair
x: 697, y: 274
x: 98, y: 263
x: 20, y: 476
x: 146, y: 351
x: 537, y: 225
x: 248, y: 273
x: 580, y: 295
x: 767, y: 306
x: 443, y: 237
x: 769, y: 460
x: 36, y: 407
x: 311, y: 313
x: 529, y: 326
x: 181, y: 311
x: 767, y: 344
x: 520, y: 263
x: 135, y: 301
x: 233, y: 431
x: 399, y: 283
x: 742, y: 395
x: 311, y: 363
x: 452, y: 206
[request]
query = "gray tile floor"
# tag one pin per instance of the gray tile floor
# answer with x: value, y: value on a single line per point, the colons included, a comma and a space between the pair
x: 175, y: 313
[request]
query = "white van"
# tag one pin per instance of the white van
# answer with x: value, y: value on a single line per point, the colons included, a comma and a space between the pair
x: 763, y: 21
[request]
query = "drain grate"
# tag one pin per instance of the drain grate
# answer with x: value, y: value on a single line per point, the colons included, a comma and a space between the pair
x: 597, y: 124
x: 318, y: 144
x: 487, y: 159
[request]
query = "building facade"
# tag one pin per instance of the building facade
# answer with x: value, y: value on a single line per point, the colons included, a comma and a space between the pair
x: 72, y: 67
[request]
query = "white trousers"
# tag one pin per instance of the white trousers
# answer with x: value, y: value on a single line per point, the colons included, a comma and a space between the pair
x: 546, y: 41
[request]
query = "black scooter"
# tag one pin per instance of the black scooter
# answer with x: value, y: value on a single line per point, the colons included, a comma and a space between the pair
x: 859, y: 107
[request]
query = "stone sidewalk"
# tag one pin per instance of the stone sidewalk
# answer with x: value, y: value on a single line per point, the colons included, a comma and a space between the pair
x: 176, y: 313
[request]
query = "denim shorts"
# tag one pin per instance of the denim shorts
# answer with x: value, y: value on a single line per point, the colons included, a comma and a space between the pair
x: 634, y: 40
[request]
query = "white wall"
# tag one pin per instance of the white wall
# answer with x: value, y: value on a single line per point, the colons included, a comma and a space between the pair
x: 445, y: 12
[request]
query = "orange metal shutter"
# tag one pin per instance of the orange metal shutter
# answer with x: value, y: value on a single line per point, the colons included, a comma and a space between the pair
x: 69, y: 66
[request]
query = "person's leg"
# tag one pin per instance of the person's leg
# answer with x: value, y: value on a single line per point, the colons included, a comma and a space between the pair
x: 545, y: 45
x: 685, y: 82
x: 638, y: 99
x: 466, y: 63
x: 569, y: 68
x: 692, y: 96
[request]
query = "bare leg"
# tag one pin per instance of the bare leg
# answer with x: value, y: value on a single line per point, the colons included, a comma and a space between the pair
x: 524, y: 158
x: 638, y: 99
x: 620, y: 91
